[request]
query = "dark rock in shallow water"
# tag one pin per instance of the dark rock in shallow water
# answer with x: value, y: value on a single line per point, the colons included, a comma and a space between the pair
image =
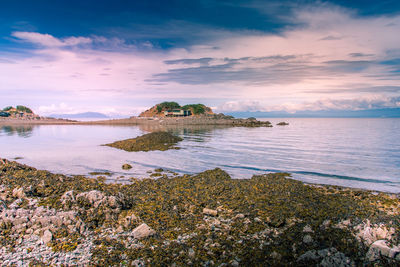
x: 282, y: 123
x: 152, y: 141
x: 126, y: 166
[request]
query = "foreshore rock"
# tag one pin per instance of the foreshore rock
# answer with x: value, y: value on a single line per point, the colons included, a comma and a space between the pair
x: 206, y: 219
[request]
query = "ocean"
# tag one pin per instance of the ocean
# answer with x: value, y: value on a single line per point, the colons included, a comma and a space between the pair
x: 360, y: 153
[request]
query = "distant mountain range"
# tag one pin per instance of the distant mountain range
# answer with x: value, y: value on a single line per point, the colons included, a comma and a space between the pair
x: 94, y: 115
x: 370, y: 113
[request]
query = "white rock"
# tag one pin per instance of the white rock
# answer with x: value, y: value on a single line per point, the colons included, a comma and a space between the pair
x: 381, y: 233
x: 91, y: 196
x: 210, y: 212
x: 307, y: 229
x: 67, y: 196
x: 47, y: 237
x: 239, y: 216
x: 18, y: 192
x: 394, y: 252
x: 142, y: 231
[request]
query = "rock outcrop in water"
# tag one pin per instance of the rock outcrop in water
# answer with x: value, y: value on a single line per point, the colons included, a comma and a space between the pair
x: 282, y: 123
x: 152, y: 141
x: 206, y: 219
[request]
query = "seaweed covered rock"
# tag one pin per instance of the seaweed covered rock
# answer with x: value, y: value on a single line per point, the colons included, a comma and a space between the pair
x: 152, y: 141
x: 126, y: 166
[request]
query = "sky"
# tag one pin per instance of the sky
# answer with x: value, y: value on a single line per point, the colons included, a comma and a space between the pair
x: 121, y: 57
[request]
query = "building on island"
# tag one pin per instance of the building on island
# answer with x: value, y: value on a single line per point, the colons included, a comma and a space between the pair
x: 177, y: 113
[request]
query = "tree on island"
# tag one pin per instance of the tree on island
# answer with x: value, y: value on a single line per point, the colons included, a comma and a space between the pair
x: 195, y: 108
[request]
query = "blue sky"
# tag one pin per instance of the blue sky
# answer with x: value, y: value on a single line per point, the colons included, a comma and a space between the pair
x: 119, y: 57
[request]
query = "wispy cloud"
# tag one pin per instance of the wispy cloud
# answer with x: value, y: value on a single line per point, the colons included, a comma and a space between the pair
x: 48, y: 40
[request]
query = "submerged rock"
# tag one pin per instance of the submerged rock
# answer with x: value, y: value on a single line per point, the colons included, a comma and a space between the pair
x: 148, y: 142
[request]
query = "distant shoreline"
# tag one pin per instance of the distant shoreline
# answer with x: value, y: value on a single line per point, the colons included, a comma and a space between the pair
x: 153, y: 121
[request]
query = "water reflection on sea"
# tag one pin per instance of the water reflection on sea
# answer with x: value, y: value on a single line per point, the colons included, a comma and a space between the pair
x: 361, y: 153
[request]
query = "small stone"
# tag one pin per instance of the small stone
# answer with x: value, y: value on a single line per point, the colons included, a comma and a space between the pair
x: 126, y: 166
x: 276, y: 256
x: 239, y: 216
x: 307, y: 229
x: 307, y: 239
x: 381, y: 233
x: 142, y: 231
x: 235, y: 263
x: 18, y: 193
x: 47, y: 237
x: 210, y: 212
x: 326, y: 223
x: 346, y: 222
x: 191, y: 253
x: 67, y: 196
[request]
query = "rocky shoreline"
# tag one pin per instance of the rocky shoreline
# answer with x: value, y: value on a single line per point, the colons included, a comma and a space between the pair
x: 210, y: 120
x: 206, y: 219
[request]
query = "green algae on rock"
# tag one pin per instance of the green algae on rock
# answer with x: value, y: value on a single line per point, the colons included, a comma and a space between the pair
x: 148, y: 142
x: 207, y: 219
x: 100, y: 173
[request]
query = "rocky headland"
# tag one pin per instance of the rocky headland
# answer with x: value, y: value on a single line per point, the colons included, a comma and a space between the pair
x: 207, y: 219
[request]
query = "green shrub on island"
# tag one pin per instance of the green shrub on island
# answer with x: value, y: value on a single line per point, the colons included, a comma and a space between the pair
x: 167, y: 105
x: 24, y: 109
x: 18, y: 108
x: 195, y: 108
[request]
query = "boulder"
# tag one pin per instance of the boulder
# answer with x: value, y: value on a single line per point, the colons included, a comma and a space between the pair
x: 91, y: 196
x: 377, y: 249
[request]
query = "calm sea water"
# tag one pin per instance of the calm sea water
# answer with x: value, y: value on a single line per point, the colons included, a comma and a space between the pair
x: 361, y: 153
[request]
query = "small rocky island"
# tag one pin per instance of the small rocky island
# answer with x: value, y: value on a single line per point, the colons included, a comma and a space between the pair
x: 171, y: 113
x: 148, y: 142
x: 206, y: 219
